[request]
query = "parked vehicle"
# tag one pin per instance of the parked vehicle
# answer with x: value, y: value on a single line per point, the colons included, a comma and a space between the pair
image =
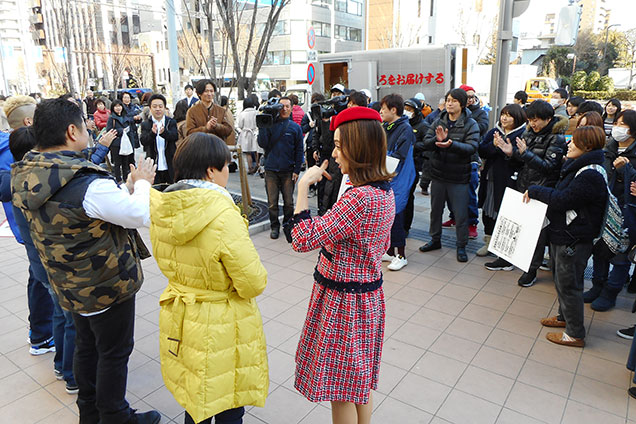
x: 430, y: 70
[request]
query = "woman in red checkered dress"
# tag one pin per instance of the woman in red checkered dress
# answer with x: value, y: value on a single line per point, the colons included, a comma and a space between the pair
x: 338, y: 356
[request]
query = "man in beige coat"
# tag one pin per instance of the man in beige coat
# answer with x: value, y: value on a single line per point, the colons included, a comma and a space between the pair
x: 207, y: 117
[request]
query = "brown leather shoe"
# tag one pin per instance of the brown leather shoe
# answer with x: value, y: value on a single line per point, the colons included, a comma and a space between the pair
x: 552, y: 322
x: 558, y: 339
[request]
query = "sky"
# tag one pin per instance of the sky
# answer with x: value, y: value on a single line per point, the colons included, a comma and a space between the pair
x: 622, y: 13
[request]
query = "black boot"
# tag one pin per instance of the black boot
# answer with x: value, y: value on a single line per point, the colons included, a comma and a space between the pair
x: 591, y: 295
x: 631, y: 288
x: 606, y: 300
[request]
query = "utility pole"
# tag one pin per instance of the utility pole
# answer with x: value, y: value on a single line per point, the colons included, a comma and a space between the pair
x: 499, y: 76
x: 173, y: 49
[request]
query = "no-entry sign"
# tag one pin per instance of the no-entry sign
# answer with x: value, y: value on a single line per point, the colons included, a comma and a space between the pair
x: 311, y: 74
x: 311, y: 38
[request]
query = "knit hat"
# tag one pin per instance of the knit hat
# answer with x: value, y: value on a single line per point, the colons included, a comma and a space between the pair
x: 466, y: 88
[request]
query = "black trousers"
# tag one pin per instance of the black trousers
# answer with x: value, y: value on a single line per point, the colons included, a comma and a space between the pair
x: 103, y: 344
x: 275, y: 183
x: 410, y: 205
x: 121, y: 165
x: 231, y: 416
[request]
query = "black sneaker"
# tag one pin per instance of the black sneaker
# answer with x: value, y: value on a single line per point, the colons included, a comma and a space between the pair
x: 274, y: 233
x: 528, y: 279
x: 626, y: 333
x: 499, y: 265
x: 42, y: 348
x: 71, y: 388
x: 150, y: 417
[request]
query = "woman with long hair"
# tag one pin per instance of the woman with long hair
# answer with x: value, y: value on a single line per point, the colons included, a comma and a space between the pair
x: 338, y: 356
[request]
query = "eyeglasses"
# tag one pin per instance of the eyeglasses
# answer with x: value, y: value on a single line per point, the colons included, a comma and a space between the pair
x: 471, y: 97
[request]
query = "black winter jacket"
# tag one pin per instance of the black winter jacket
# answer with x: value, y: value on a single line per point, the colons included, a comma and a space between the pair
x: 453, y: 164
x: 497, y: 161
x: 543, y: 157
x: 322, y: 140
x: 616, y: 177
x: 481, y: 117
x: 119, y: 123
x: 419, y: 129
x: 586, y: 194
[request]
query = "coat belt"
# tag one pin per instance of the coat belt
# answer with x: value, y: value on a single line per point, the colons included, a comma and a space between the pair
x: 180, y: 296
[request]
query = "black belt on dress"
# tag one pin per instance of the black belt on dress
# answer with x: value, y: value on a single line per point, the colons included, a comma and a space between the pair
x: 348, y: 286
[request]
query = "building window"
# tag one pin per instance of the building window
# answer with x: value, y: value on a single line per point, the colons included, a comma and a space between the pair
x: 341, y: 5
x: 355, y: 34
x: 348, y: 33
x: 281, y: 28
x: 322, y: 29
x: 136, y: 24
x: 281, y: 57
x: 354, y: 7
x: 321, y: 3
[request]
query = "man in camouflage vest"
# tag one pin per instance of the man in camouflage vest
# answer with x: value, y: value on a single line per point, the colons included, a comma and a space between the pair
x: 83, y: 226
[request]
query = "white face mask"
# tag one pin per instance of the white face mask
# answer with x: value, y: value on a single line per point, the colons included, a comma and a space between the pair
x: 408, y: 114
x: 555, y: 102
x: 620, y: 134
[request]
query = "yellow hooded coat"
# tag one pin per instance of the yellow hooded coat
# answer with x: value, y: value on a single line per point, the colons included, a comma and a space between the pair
x: 212, y: 346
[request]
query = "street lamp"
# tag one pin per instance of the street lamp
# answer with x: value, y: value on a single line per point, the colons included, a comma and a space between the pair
x: 606, y: 36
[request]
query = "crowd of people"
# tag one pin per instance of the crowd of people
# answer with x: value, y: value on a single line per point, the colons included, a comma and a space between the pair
x: 75, y: 193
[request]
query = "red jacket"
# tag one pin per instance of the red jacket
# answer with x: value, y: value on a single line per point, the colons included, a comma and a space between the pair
x: 297, y: 114
x: 101, y: 118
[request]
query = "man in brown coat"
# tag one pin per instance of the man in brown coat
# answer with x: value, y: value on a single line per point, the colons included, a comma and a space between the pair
x: 207, y: 117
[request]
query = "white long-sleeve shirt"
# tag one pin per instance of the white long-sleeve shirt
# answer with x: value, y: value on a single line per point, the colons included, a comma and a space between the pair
x: 111, y: 203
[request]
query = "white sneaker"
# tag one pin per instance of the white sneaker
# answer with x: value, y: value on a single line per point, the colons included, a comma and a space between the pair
x: 387, y: 258
x: 398, y: 263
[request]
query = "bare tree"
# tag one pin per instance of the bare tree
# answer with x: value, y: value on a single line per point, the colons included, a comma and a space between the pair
x: 231, y: 13
x: 627, y: 53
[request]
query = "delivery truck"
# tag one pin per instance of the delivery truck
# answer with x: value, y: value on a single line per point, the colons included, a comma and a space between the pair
x: 431, y: 70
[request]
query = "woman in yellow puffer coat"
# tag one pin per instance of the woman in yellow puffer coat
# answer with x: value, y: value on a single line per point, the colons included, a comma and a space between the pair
x: 212, y: 346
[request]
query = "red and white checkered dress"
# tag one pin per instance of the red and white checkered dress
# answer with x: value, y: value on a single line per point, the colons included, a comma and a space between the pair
x: 338, y: 356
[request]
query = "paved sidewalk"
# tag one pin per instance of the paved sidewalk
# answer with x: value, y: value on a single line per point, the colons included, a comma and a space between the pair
x: 463, y: 345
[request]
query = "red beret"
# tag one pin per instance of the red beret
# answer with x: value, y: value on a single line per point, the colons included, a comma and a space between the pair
x: 466, y: 87
x: 353, y: 114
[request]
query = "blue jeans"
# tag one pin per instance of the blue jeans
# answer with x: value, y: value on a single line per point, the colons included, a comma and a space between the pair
x: 473, y: 210
x: 615, y: 279
x: 40, y: 310
x: 64, y: 338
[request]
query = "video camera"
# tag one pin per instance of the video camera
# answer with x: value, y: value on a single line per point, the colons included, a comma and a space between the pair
x: 328, y: 108
x: 269, y: 113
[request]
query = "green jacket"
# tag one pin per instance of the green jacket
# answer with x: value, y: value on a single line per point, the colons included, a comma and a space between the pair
x: 90, y: 263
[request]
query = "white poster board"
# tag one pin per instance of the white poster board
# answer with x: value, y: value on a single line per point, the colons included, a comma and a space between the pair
x: 517, y: 229
x: 391, y: 165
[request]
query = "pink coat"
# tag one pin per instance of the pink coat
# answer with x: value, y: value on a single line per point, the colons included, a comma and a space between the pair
x: 297, y: 114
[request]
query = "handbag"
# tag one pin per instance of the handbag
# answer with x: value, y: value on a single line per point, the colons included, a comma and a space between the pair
x: 125, y: 146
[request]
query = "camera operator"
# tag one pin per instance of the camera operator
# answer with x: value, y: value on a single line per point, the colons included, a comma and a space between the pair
x: 283, y: 145
x: 322, y: 147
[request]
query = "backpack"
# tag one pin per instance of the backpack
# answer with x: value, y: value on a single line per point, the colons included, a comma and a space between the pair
x: 612, y: 233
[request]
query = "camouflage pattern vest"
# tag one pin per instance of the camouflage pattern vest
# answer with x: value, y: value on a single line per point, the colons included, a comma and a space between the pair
x: 91, y: 264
